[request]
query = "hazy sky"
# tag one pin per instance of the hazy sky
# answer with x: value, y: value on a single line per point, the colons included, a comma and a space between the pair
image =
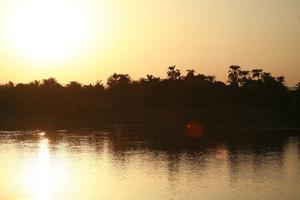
x: 87, y: 40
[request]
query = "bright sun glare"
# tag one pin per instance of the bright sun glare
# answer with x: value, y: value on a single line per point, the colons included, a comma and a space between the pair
x: 49, y: 29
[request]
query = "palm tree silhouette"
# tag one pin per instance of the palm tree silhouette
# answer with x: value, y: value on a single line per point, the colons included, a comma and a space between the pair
x: 244, y: 76
x: 233, y: 76
x: 173, y: 74
x: 257, y: 73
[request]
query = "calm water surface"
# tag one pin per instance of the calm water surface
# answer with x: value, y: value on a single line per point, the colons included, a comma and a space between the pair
x: 88, y: 165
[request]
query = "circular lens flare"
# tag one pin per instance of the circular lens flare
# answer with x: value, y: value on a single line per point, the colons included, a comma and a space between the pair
x: 194, y: 129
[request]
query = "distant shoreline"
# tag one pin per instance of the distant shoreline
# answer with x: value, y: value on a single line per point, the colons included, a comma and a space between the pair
x: 247, y: 99
x: 165, y: 118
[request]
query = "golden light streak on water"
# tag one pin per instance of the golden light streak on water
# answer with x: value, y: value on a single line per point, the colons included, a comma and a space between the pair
x: 43, y: 179
x: 89, y: 166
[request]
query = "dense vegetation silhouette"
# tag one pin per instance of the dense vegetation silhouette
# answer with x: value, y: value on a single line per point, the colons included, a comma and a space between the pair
x: 248, y: 96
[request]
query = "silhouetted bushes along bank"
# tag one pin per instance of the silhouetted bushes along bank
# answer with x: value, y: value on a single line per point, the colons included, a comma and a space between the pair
x: 248, y: 97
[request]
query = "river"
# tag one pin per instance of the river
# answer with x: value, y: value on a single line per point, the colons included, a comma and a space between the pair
x: 90, y: 165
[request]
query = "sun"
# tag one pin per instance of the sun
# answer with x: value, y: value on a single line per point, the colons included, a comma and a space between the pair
x: 49, y: 29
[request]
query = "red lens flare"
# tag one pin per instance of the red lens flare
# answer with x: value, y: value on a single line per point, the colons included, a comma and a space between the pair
x: 194, y: 129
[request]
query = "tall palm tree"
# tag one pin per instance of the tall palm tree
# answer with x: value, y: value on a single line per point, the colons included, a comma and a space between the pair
x: 244, y: 76
x: 173, y: 74
x: 257, y: 73
x: 233, y: 75
x: 190, y: 74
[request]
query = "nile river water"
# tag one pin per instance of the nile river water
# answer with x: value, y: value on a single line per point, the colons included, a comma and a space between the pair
x: 92, y: 165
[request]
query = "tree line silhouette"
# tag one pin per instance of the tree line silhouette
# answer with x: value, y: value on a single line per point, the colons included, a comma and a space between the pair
x: 244, y: 91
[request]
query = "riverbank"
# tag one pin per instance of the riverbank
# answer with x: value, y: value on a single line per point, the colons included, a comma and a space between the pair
x: 212, y: 118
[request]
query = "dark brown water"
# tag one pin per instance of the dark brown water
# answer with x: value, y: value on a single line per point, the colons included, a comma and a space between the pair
x: 111, y: 165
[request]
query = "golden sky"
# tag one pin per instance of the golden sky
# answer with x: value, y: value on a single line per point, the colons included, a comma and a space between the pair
x: 87, y: 40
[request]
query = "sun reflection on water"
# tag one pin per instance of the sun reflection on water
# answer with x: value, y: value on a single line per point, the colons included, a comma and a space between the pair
x: 42, y: 182
x: 52, y: 166
x: 42, y: 134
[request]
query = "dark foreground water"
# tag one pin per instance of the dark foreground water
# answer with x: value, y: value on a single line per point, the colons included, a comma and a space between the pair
x: 92, y: 165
